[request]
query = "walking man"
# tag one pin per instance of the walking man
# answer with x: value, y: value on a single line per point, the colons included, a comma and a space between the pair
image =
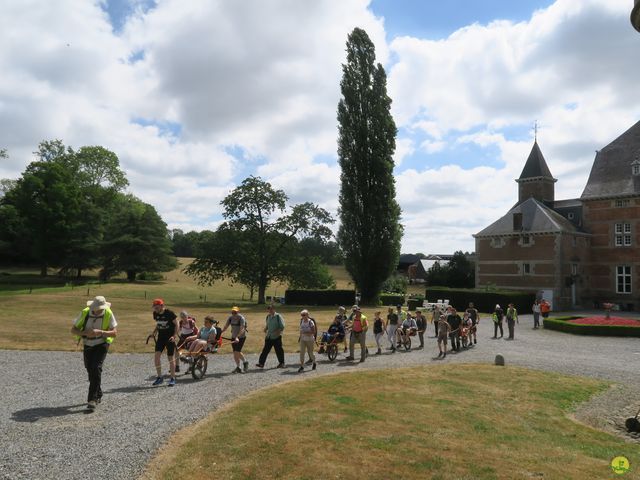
x: 359, y: 335
x: 497, y: 317
x: 512, y: 318
x: 536, y: 314
x: 421, y: 322
x: 454, y: 321
x: 274, y: 325
x: 475, y: 319
x: 96, y: 326
x: 168, y: 332
x: 392, y: 326
x: 238, y: 326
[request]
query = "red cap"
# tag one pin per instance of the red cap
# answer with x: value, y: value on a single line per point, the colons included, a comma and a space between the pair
x: 158, y: 301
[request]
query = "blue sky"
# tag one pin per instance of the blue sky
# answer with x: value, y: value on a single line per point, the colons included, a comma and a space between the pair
x: 440, y: 18
x: 194, y: 96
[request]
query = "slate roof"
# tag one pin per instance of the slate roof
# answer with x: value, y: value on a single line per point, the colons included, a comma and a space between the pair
x: 611, y: 171
x: 536, y: 166
x: 536, y: 218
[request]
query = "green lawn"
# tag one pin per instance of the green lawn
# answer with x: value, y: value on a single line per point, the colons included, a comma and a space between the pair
x: 444, y: 422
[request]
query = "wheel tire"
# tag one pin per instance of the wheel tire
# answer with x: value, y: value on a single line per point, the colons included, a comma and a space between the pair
x: 199, y: 367
x: 332, y: 351
x: 632, y: 424
x: 407, y: 343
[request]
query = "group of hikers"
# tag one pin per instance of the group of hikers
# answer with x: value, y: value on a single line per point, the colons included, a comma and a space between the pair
x: 96, y: 326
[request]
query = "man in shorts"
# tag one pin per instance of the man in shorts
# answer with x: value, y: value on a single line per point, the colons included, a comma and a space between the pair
x: 238, y: 326
x: 168, y: 333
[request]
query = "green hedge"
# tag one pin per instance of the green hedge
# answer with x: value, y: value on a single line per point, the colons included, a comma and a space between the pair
x: 560, y: 324
x: 320, y: 297
x: 391, y: 299
x: 483, y: 301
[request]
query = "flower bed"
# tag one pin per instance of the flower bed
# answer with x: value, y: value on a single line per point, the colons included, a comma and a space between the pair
x: 601, y: 320
x: 600, y: 325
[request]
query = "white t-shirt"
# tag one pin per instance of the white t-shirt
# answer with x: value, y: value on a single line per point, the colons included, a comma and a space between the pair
x: 96, y: 323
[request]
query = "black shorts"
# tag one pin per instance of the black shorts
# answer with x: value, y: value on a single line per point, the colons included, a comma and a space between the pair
x: 237, y: 347
x: 162, y: 342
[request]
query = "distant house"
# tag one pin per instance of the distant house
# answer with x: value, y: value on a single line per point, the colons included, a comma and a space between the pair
x: 405, y: 261
x: 418, y: 271
x: 577, y: 252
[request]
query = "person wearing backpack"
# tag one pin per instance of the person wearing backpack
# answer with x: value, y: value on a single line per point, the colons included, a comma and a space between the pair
x: 96, y: 327
x: 274, y: 326
x: 308, y: 333
x: 238, y: 326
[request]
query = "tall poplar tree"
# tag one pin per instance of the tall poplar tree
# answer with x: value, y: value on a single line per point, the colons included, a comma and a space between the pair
x: 370, y: 231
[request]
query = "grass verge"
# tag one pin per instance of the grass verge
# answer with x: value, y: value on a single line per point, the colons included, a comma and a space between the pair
x: 447, y: 422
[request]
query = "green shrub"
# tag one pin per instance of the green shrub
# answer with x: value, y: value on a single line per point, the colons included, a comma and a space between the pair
x: 150, y: 276
x: 391, y: 299
x: 562, y: 325
x: 484, y: 301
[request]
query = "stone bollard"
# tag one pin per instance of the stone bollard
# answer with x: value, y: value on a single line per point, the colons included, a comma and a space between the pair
x: 499, y: 360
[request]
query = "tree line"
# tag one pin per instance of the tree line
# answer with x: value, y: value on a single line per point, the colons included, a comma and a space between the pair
x: 68, y: 210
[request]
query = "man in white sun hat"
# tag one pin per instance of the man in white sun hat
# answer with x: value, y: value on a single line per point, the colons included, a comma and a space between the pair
x: 96, y: 326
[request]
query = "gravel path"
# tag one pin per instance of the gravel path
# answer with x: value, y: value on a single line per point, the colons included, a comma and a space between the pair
x: 45, y: 431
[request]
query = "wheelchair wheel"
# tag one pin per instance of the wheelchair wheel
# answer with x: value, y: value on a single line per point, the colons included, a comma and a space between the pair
x: 199, y: 367
x: 407, y: 343
x: 332, y: 351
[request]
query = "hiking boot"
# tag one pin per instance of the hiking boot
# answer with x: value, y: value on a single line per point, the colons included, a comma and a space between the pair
x: 157, y: 381
x: 379, y: 352
x: 308, y: 362
x: 313, y: 366
x: 349, y: 358
x: 91, y: 405
x: 475, y: 341
x: 444, y: 355
x: 259, y: 365
x: 172, y: 382
x: 237, y: 370
x: 439, y: 354
x: 301, y: 369
x: 280, y: 365
x: 177, y: 368
x: 361, y: 360
x: 245, y: 364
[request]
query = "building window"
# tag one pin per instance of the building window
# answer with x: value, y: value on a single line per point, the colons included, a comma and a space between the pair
x: 622, y: 235
x: 526, y: 269
x: 497, y: 242
x: 624, y: 202
x: 635, y: 169
x: 574, y: 269
x: 525, y: 240
x: 623, y: 279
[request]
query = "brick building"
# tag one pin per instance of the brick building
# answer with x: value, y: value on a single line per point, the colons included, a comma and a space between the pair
x: 578, y: 252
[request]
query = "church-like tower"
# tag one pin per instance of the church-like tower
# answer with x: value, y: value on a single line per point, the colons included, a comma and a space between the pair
x: 536, y: 180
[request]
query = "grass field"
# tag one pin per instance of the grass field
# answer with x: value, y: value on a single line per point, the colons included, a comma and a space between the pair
x: 53, y: 304
x: 446, y: 422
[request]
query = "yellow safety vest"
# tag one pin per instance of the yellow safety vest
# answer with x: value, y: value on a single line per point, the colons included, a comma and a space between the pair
x: 106, y: 320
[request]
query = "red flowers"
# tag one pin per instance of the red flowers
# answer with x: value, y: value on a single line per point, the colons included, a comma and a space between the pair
x: 626, y: 322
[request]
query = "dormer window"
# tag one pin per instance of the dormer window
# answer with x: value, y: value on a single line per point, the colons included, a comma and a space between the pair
x: 635, y: 167
x: 517, y: 221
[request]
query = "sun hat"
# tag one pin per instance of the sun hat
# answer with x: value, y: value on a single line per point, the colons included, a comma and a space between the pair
x: 158, y: 301
x: 235, y: 309
x: 98, y: 303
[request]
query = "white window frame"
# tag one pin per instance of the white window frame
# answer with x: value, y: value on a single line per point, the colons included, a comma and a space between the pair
x: 526, y: 269
x: 635, y: 169
x: 623, y: 279
x: 622, y: 235
x: 622, y: 202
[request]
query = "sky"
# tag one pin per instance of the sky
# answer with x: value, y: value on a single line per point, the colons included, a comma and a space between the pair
x: 195, y: 96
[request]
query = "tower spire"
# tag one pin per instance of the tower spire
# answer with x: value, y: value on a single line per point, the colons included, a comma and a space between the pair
x: 535, y: 131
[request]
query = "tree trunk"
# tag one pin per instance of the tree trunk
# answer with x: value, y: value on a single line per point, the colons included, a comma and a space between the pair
x: 43, y: 270
x: 131, y: 275
x: 79, y: 274
x: 251, y: 292
x: 261, y: 294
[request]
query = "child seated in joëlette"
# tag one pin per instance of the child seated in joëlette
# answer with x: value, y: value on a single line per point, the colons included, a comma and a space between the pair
x: 207, y: 335
x: 336, y: 330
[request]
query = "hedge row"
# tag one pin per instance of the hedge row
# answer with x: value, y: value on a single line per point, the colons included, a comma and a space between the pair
x: 560, y: 324
x: 388, y: 299
x: 320, y: 297
x: 482, y: 300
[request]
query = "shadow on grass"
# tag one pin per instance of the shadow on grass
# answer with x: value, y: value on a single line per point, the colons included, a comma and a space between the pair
x: 32, y: 415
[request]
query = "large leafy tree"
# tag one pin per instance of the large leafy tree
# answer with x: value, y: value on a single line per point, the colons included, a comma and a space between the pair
x: 370, y: 232
x: 257, y: 242
x: 136, y: 240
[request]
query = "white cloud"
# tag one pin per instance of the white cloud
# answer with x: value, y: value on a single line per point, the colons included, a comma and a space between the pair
x: 263, y: 78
